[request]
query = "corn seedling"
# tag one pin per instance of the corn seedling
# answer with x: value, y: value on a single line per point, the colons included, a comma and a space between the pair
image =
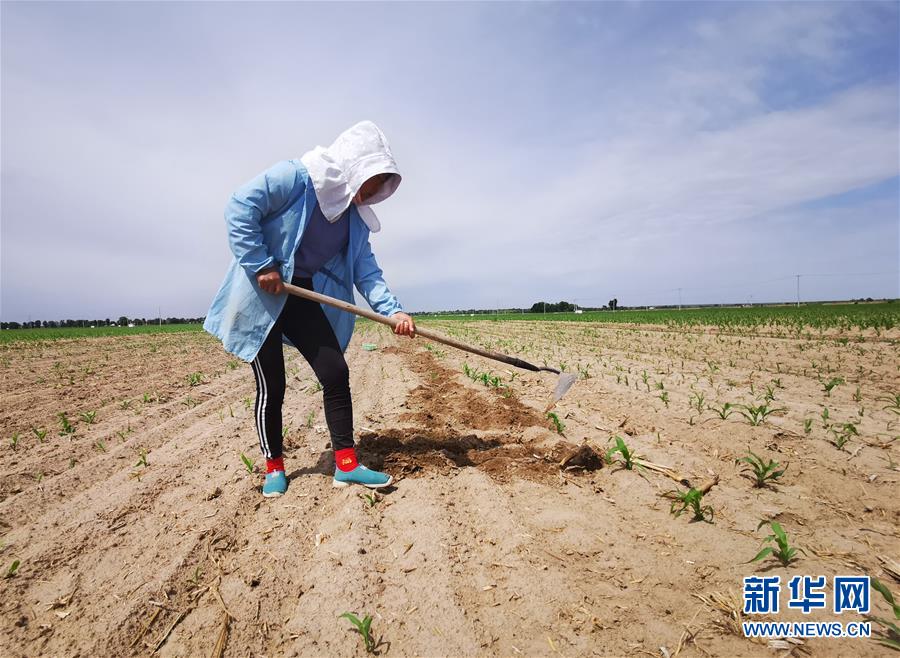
x: 828, y: 386
x: 770, y: 393
x: 628, y: 455
x: 664, y: 396
x: 692, y: 499
x: 890, y: 631
x: 195, y: 579
x: 195, y: 378
x: 780, y: 549
x: 100, y: 445
x: 724, y: 411
x: 41, y: 434
x: 14, y: 441
x: 756, y: 415
x: 248, y: 403
x: 12, y: 569
x: 363, y: 628
x: 841, y: 437
x: 807, y: 426
x: 309, y: 418
x: 760, y: 471
x: 232, y: 364
x: 142, y: 461
x: 125, y: 404
x: 146, y: 398
x: 825, y: 416
x: 698, y: 402
x: 65, y: 426
x: 557, y: 423
x: 893, y: 403
x: 857, y: 396
x: 370, y: 499
x: 248, y: 463
x: 88, y: 416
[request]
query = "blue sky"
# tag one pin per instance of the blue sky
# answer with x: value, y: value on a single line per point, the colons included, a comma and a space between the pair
x: 553, y: 151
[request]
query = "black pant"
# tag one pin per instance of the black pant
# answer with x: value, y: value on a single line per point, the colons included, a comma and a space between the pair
x: 305, y: 325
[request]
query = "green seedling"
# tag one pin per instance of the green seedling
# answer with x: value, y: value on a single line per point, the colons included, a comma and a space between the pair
x: 125, y: 404
x: 189, y: 402
x: 760, y: 471
x: 557, y: 423
x: 146, y: 398
x: 363, y: 628
x: 100, y: 446
x: 195, y: 379
x: 370, y: 499
x: 781, y: 549
x: 893, y: 403
x: 248, y: 463
x: 65, y: 426
x: 857, y: 396
x: 724, y: 411
x: 828, y: 386
x: 628, y: 455
x: 698, y: 402
x: 41, y: 434
x: 248, y: 403
x: 825, y: 416
x: 692, y: 499
x: 195, y: 579
x: 807, y: 426
x: 232, y: 364
x: 756, y: 415
x: 309, y: 418
x: 12, y: 569
x: 770, y: 393
x: 889, y: 629
x: 843, y: 435
x: 142, y: 461
x: 88, y: 416
x: 664, y: 396
x: 14, y: 441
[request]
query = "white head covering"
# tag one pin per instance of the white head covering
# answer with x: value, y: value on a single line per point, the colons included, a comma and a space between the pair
x: 339, y: 171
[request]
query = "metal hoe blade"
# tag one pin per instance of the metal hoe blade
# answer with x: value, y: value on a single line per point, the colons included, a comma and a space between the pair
x: 564, y: 384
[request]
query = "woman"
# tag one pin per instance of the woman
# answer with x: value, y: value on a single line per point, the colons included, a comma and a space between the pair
x: 307, y: 221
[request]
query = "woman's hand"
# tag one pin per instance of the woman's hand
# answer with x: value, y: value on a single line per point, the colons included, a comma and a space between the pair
x: 405, y: 326
x: 269, y: 280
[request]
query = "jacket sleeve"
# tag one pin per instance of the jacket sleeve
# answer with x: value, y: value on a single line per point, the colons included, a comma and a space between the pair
x: 371, y: 284
x: 250, y: 205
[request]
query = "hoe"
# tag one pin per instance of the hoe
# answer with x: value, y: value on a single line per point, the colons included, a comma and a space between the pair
x: 563, y: 384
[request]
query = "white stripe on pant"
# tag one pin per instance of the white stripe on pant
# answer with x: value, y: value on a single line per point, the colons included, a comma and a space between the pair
x: 261, y: 395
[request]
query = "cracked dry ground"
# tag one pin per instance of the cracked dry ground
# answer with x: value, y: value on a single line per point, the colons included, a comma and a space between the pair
x: 482, y: 548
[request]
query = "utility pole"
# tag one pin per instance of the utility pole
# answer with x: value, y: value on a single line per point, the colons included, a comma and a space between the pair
x: 159, y: 314
x: 798, y: 290
x: 679, y: 299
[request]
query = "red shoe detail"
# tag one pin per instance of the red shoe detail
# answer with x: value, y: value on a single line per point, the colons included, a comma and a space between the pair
x: 345, y: 459
x: 276, y: 464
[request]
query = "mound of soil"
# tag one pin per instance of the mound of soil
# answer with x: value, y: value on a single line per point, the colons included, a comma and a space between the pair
x: 413, y: 453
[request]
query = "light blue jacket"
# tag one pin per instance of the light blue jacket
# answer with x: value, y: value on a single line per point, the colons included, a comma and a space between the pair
x: 265, y: 220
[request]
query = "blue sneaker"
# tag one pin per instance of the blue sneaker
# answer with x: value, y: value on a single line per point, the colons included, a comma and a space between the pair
x: 361, y: 475
x: 276, y: 484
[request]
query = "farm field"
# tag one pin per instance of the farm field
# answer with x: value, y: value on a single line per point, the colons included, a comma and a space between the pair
x: 138, y: 529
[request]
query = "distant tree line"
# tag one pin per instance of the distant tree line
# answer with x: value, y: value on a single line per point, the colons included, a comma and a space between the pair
x: 107, y: 322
